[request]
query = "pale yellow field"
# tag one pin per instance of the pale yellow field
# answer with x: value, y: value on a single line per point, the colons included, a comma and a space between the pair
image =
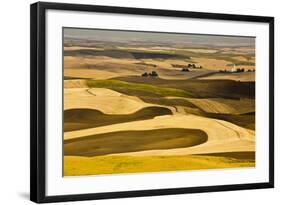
x: 105, y: 100
x: 82, y: 62
x: 106, y: 67
x: 224, y: 106
x: 167, y: 64
x: 98, y: 67
x: 215, y: 64
x: 90, y: 73
x: 242, y: 50
x: 212, y: 64
x: 240, y: 58
x: 102, y: 67
x: 74, y: 84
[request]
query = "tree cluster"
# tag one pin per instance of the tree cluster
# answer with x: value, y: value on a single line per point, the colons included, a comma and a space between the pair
x: 238, y: 70
x: 152, y: 74
x: 193, y: 66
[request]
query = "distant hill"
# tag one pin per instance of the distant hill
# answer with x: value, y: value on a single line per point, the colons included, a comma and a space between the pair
x: 122, y: 54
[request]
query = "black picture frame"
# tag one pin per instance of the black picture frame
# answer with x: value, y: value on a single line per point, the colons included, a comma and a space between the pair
x: 38, y: 101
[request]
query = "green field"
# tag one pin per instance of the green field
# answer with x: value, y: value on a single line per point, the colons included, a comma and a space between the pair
x: 228, y: 89
x: 163, y: 91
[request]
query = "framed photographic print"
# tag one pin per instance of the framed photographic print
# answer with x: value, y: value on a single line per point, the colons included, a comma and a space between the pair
x: 129, y: 102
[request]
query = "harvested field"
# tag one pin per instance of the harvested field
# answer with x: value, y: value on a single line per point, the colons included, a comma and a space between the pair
x: 77, y: 83
x: 89, y: 73
x: 244, y: 120
x: 213, y: 64
x: 224, y: 106
x: 167, y: 101
x: 102, y: 67
x: 102, y: 99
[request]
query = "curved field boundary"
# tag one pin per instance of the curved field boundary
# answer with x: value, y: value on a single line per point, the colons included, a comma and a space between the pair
x: 249, y: 156
x: 243, y: 77
x: 133, y: 141
x: 75, y: 84
x: 222, y: 136
x: 228, y: 89
x: 220, y: 105
x: 212, y: 106
x: 76, y: 119
x: 163, y: 91
x: 106, y: 100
